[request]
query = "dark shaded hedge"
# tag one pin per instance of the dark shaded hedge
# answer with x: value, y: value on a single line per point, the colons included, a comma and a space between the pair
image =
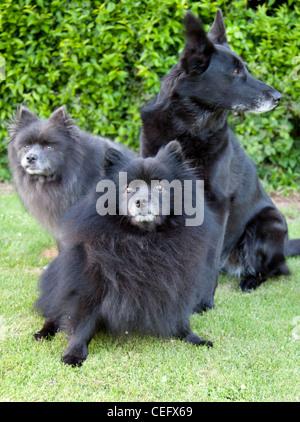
x: 104, y: 60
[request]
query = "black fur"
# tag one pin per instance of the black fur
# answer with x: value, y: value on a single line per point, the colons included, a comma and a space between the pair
x: 54, y: 164
x: 129, y: 276
x: 192, y: 106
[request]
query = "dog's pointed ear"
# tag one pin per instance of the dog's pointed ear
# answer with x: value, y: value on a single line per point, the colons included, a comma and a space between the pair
x: 195, y: 33
x: 217, y: 33
x: 22, y: 118
x: 60, y: 116
x: 25, y: 115
x: 113, y: 158
x: 198, y: 49
x: 171, y: 151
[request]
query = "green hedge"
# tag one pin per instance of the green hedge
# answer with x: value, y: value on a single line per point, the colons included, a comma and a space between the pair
x: 104, y: 60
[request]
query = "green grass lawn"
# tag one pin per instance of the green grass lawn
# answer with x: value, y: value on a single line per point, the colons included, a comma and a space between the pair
x: 256, y: 338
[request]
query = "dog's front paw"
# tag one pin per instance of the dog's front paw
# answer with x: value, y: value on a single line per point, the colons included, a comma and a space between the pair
x: 72, y: 360
x: 38, y: 336
x: 42, y: 335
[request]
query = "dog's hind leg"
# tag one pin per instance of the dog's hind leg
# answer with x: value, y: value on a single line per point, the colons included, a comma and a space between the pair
x: 293, y: 247
x: 185, y: 333
x: 196, y: 340
x: 48, y: 330
x: 278, y: 267
x: 251, y: 282
x: 263, y: 248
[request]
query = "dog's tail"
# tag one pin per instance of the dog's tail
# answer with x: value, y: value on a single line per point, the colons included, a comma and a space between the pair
x: 293, y: 247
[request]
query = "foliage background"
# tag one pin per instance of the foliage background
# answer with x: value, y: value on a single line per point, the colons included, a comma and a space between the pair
x: 104, y: 61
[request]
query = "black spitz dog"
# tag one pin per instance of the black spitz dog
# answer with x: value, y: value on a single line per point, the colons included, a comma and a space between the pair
x: 143, y: 271
x: 192, y: 107
x: 54, y: 164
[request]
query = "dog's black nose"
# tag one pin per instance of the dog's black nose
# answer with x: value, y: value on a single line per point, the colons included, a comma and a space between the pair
x: 276, y: 96
x: 140, y: 203
x: 31, y: 158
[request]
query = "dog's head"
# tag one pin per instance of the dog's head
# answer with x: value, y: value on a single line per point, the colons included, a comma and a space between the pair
x: 39, y: 146
x: 212, y: 75
x: 148, y: 190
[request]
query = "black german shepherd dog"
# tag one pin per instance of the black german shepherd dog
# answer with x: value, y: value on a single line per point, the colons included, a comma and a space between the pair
x: 192, y: 107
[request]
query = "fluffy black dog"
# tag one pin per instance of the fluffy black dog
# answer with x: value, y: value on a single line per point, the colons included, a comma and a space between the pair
x: 54, y: 164
x: 138, y: 272
x: 192, y: 107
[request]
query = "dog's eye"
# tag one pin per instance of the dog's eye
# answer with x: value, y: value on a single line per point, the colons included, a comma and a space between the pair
x: 26, y: 146
x: 129, y: 190
x: 158, y: 188
x: 48, y: 147
x: 236, y: 72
